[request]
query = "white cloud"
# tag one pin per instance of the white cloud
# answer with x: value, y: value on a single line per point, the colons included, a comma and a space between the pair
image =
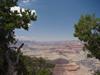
x: 26, y: 1
x: 19, y: 10
x: 15, y: 8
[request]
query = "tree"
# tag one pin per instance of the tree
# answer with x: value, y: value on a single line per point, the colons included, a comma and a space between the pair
x: 12, y: 17
x: 97, y: 73
x: 37, y: 66
x: 88, y: 31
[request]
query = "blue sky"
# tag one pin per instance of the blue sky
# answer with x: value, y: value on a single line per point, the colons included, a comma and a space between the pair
x: 56, y: 18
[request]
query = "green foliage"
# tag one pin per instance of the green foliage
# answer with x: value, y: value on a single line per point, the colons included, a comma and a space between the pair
x: 10, y: 57
x: 12, y: 61
x: 88, y: 31
x: 37, y: 66
x: 97, y: 73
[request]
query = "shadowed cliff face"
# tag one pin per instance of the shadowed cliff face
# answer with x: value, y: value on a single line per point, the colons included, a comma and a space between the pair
x: 60, y: 61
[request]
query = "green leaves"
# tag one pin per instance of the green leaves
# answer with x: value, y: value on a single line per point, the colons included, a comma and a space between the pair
x: 37, y: 66
x: 13, y: 17
x: 88, y: 30
x: 8, y: 3
x: 84, y: 26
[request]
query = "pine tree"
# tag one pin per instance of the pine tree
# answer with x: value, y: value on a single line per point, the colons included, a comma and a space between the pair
x: 12, y: 17
x: 88, y: 31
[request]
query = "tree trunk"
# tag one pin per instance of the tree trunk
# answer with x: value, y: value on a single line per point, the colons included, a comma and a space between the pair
x: 12, y: 64
x: 11, y: 70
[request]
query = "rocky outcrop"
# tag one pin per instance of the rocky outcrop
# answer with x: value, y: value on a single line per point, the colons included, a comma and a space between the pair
x: 72, y: 67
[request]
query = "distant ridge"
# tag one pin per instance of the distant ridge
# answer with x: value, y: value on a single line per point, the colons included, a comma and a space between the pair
x: 50, y: 42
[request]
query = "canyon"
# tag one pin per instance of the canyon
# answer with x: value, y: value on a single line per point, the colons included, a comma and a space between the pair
x: 68, y: 56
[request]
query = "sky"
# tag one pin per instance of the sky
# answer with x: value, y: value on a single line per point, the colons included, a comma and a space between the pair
x: 56, y: 18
